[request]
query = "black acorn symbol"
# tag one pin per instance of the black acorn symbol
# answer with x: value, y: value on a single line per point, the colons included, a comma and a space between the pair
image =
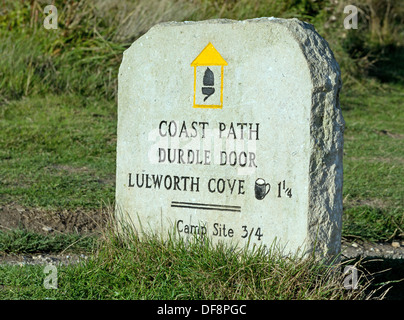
x: 208, y: 80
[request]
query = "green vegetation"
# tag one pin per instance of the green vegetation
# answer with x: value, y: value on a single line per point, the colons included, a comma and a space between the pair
x: 58, y: 151
x: 58, y: 92
x: 24, y: 241
x: 126, y: 268
x: 374, y: 165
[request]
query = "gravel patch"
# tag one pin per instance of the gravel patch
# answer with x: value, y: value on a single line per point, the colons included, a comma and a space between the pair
x: 359, y: 248
x: 349, y: 250
x: 41, y: 259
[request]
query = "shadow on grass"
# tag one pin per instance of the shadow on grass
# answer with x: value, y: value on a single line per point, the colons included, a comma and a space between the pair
x: 386, y: 275
x: 388, y: 68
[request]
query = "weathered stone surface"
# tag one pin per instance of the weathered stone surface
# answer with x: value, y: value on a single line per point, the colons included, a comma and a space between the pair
x: 262, y: 92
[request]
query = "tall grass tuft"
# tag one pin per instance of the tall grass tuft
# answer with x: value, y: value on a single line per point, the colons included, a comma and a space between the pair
x: 127, y: 267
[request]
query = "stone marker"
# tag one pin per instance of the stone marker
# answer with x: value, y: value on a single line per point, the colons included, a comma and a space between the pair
x: 232, y: 130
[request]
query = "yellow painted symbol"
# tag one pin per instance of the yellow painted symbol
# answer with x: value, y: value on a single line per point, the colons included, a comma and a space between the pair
x: 211, y: 65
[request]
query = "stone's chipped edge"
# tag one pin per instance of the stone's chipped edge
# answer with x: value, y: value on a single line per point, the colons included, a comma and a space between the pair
x: 327, y: 125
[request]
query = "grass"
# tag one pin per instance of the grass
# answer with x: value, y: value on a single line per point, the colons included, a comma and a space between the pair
x: 24, y: 241
x: 374, y: 164
x: 123, y: 267
x: 58, y: 135
x: 57, y: 151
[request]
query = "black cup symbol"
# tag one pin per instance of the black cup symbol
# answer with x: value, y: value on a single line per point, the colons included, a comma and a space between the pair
x: 261, y: 188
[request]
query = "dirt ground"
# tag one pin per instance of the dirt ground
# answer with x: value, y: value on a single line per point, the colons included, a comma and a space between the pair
x: 14, y: 216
